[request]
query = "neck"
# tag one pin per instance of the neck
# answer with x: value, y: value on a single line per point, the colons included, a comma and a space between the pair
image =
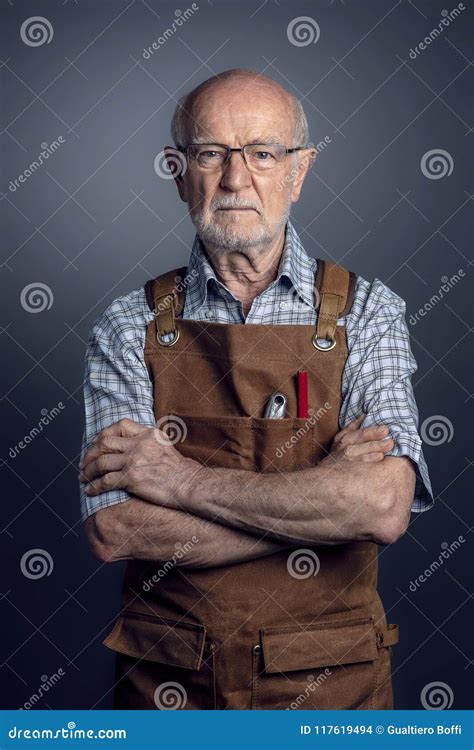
x: 248, y: 274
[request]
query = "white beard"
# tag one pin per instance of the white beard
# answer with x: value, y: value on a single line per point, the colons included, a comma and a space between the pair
x: 234, y: 237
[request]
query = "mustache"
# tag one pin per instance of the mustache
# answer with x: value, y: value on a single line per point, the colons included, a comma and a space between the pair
x: 232, y: 203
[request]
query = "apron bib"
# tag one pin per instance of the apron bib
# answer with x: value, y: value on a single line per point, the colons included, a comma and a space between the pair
x: 302, y: 628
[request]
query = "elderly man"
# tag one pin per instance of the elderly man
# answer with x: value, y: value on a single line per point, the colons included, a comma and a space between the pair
x: 251, y: 540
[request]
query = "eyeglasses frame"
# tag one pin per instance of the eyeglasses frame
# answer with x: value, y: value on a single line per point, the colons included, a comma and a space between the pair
x: 184, y: 149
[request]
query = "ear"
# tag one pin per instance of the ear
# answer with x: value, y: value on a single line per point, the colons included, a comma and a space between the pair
x: 306, y: 159
x: 177, y: 165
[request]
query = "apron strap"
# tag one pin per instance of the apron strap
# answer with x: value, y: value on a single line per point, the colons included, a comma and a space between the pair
x: 335, y: 288
x: 390, y: 637
x: 165, y: 297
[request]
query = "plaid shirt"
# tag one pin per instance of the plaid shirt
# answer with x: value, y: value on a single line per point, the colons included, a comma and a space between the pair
x: 376, y: 377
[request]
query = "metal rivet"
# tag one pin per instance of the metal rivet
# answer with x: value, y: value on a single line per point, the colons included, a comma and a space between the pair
x: 326, y: 347
x: 257, y: 648
x: 172, y: 341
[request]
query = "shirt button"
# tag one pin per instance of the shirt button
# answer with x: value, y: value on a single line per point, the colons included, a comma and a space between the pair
x: 209, y: 314
x: 282, y: 305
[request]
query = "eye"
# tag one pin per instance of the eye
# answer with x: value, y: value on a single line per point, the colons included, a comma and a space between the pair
x: 263, y: 155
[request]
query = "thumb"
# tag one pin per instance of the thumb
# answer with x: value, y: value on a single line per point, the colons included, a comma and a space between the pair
x: 356, y: 423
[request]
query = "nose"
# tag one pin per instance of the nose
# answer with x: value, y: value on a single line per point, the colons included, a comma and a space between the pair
x: 235, y: 175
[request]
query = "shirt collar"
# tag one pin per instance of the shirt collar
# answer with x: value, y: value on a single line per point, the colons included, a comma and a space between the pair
x: 295, y: 265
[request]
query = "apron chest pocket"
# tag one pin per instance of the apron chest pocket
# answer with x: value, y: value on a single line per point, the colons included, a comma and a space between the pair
x: 161, y: 664
x: 250, y: 443
x: 334, y: 665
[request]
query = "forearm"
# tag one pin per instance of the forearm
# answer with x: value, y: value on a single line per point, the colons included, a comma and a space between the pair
x: 139, y: 530
x: 323, y: 504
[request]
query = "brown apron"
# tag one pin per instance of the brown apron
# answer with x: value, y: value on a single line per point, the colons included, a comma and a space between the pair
x: 302, y: 628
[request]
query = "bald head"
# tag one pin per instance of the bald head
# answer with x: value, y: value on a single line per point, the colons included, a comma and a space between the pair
x: 229, y: 92
x: 239, y: 205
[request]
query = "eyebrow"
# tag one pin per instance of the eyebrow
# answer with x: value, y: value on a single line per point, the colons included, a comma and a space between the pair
x: 266, y: 140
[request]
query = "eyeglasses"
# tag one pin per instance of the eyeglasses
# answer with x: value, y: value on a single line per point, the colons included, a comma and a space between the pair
x: 257, y: 156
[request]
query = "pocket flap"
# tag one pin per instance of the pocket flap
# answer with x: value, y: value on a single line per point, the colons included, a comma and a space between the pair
x: 294, y: 647
x: 177, y: 643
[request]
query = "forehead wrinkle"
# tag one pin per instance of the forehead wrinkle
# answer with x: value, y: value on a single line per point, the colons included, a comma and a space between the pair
x: 264, y: 92
x: 268, y: 140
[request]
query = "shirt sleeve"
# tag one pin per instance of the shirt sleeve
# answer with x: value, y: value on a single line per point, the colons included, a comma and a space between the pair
x: 116, y: 381
x: 378, y: 377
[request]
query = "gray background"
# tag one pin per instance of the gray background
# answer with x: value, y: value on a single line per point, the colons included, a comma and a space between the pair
x: 96, y: 221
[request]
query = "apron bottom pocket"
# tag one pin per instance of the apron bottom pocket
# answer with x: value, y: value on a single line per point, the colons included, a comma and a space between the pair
x: 331, y: 666
x: 162, y: 664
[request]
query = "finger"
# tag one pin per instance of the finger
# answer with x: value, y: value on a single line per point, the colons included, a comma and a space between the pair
x: 367, y: 434
x: 372, y: 446
x: 102, y: 465
x: 107, y: 445
x: 371, y: 458
x: 122, y: 428
x: 355, y: 424
x: 374, y: 432
x: 115, y: 480
x: 351, y: 427
x: 363, y: 435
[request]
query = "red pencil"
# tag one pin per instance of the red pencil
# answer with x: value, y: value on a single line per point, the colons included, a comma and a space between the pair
x: 302, y: 394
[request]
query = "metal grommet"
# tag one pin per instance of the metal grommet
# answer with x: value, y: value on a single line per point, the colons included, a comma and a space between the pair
x: 257, y: 649
x: 170, y: 342
x: 329, y: 344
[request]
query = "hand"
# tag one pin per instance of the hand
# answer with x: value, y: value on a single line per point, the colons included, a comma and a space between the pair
x: 138, y: 459
x: 365, y: 445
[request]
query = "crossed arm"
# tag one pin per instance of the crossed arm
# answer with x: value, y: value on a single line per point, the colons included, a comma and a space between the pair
x: 356, y: 493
